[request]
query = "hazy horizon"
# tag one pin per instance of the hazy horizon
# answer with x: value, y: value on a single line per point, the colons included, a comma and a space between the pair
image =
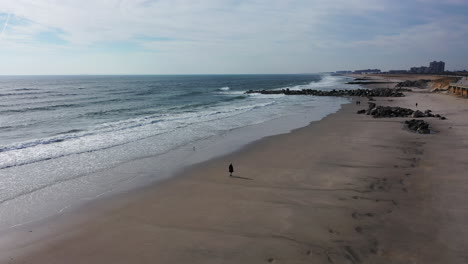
x: 144, y: 37
x: 165, y: 74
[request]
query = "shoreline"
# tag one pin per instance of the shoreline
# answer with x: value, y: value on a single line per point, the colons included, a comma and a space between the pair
x: 20, y: 235
x: 148, y: 170
x: 279, y: 212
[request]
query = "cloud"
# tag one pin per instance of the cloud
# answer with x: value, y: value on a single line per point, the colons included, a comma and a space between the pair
x: 440, y: 35
x: 86, y: 22
x: 248, y: 35
x: 450, y: 2
x: 6, y: 24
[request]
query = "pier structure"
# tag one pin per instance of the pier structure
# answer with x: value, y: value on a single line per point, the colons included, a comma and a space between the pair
x: 459, y: 88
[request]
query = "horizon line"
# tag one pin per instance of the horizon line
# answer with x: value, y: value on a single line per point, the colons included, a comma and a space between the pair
x: 153, y: 74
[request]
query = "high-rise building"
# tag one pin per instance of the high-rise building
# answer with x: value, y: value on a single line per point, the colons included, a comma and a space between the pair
x: 437, y: 67
x: 434, y: 67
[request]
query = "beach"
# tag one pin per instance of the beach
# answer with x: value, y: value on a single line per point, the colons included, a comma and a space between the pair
x: 346, y: 189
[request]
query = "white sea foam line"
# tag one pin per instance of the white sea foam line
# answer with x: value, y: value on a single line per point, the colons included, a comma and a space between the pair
x: 229, y: 92
x: 73, y: 144
x: 17, y: 157
x: 327, y: 81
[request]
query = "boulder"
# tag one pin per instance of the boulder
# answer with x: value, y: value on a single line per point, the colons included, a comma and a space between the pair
x: 418, y: 126
x: 369, y: 109
x: 419, y: 83
x: 417, y: 114
x: 388, y: 111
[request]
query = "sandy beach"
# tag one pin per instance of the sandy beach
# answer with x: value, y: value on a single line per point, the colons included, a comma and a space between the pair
x: 347, y: 189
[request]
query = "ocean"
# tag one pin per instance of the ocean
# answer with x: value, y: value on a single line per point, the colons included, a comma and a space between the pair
x: 66, y: 140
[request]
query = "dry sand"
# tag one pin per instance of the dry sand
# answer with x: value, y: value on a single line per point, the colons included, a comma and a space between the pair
x: 347, y: 189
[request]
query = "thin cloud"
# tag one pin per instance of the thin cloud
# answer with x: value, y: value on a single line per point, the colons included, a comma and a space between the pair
x: 5, y: 25
x: 87, y: 22
x: 241, y: 36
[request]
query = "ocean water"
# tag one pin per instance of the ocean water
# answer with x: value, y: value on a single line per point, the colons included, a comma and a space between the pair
x: 65, y: 140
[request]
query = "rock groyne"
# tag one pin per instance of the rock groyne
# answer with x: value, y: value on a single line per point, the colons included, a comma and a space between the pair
x: 383, y: 92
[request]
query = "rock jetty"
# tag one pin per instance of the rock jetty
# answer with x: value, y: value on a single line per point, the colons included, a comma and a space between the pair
x: 388, y: 111
x: 383, y: 92
x: 369, y: 82
x: 427, y: 113
x: 395, y: 111
x: 419, y: 83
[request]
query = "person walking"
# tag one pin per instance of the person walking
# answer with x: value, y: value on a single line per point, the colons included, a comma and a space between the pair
x: 231, y: 169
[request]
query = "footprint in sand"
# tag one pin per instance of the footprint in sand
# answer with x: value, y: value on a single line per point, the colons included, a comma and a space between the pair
x: 358, y: 229
x: 374, y: 247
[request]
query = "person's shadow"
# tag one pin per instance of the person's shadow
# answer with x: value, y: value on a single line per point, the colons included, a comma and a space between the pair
x: 239, y: 177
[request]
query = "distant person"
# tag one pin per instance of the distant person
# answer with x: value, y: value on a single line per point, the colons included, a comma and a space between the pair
x: 194, y: 148
x: 416, y: 104
x: 231, y: 169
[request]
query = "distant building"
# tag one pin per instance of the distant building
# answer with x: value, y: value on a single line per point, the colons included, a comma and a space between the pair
x: 368, y: 71
x: 434, y: 67
x: 343, y: 72
x: 397, y: 71
x: 420, y: 70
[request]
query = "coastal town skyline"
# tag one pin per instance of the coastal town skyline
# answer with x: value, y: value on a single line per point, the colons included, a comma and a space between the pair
x: 434, y: 67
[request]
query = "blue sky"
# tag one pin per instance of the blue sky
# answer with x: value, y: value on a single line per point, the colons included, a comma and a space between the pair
x: 229, y: 36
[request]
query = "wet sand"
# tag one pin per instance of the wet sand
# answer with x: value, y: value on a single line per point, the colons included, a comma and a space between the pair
x: 347, y: 189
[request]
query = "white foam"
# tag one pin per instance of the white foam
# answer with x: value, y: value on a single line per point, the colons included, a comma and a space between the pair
x: 230, y: 92
x: 224, y: 88
x: 266, y: 96
x: 89, y: 163
x: 114, y: 134
x: 326, y: 83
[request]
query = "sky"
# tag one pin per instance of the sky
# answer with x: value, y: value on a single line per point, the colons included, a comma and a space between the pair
x: 229, y: 36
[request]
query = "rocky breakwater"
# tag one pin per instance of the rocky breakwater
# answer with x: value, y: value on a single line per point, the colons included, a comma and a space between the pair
x: 370, y: 82
x: 415, y: 125
x: 418, y: 83
x: 383, y: 92
x: 395, y: 111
